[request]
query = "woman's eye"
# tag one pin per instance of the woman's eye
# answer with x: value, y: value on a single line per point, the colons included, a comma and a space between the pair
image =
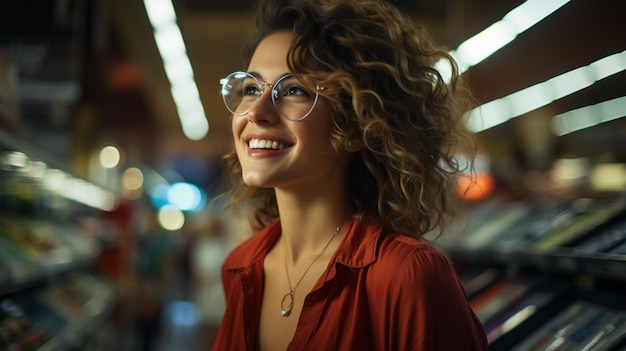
x: 294, y: 90
x: 251, y: 89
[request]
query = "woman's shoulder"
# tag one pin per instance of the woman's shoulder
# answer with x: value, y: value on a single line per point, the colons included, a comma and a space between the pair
x: 406, y: 264
x: 412, y: 260
x: 403, y: 249
x: 370, y: 243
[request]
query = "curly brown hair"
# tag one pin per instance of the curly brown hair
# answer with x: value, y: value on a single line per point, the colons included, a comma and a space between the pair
x: 378, y: 71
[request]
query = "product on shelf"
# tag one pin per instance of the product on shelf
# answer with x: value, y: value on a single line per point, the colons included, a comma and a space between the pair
x: 582, y: 222
x: 481, y: 231
x: 22, y: 326
x: 56, y: 316
x: 619, y: 250
x: 32, y: 250
x: 518, y: 312
x: 496, y: 298
x: 604, y: 241
x: 541, y: 220
x: 581, y: 326
x: 18, y: 264
x: 476, y: 282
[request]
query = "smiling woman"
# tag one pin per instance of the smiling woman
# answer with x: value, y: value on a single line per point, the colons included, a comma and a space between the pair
x: 344, y: 141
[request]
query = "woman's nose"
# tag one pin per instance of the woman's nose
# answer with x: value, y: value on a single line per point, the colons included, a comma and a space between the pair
x: 263, y: 110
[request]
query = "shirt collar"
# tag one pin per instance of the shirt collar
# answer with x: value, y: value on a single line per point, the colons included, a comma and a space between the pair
x: 358, y: 248
x: 255, y: 248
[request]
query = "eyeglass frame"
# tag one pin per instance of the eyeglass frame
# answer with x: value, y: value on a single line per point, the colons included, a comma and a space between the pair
x: 273, y: 97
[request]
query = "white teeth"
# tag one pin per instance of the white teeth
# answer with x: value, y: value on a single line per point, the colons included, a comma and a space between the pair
x: 265, y: 144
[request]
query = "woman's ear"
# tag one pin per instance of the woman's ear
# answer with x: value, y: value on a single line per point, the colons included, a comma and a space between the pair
x: 354, y: 145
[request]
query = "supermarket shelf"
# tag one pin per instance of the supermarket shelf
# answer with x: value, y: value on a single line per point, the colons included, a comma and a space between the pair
x: 514, y: 309
x: 538, y: 275
x: 57, y: 316
x: 34, y: 251
x: 49, y: 300
x: 589, y: 240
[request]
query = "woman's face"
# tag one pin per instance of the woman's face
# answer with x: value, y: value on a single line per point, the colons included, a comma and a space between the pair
x: 304, y: 157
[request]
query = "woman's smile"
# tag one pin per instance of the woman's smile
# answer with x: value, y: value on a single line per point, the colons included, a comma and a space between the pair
x: 266, y: 144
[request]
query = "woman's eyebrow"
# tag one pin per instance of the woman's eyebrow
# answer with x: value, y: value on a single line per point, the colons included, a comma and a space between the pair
x: 256, y: 75
x: 259, y: 76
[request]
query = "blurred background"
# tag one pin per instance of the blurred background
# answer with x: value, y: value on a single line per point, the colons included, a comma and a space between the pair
x: 112, y: 129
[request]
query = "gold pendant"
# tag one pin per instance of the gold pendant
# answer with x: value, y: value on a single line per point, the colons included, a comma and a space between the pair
x: 288, y: 298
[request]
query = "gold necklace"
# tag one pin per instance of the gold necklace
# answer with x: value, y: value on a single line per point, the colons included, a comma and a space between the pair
x: 286, y: 304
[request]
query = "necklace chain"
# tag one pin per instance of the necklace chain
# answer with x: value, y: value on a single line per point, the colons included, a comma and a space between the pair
x: 286, y: 304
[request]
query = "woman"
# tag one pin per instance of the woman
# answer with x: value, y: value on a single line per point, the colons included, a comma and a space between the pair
x: 344, y: 137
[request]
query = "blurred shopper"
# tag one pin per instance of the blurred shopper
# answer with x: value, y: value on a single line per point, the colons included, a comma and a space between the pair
x: 209, y: 251
x: 154, y: 268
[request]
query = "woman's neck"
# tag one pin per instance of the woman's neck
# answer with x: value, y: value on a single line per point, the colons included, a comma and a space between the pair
x: 307, y: 224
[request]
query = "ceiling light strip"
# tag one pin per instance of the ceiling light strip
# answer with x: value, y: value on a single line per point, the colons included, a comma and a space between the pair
x: 482, y: 45
x: 588, y: 116
x: 178, y: 69
x: 501, y: 110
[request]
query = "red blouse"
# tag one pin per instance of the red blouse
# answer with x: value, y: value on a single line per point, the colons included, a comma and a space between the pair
x: 379, y: 292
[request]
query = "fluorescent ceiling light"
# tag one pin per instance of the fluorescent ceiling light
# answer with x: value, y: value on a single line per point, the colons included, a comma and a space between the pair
x: 501, y: 110
x: 588, y: 116
x: 178, y: 69
x: 484, y: 44
x: 169, y: 41
x: 160, y: 12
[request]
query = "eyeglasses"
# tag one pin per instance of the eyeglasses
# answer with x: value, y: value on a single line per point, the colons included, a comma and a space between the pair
x: 291, y: 97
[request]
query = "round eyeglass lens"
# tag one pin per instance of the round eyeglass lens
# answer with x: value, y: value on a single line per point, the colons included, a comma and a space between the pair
x: 292, y: 98
x: 240, y: 91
